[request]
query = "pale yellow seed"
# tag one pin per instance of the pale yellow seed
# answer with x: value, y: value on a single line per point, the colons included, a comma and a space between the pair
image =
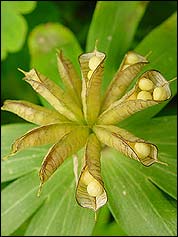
x: 125, y: 66
x: 89, y: 74
x: 144, y: 95
x: 131, y: 59
x: 94, y: 188
x: 86, y: 177
x: 94, y: 62
x: 159, y: 93
x: 142, y: 149
x: 145, y: 84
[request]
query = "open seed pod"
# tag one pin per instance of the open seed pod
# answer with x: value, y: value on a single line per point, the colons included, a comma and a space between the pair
x: 69, y: 76
x: 125, y: 142
x: 128, y: 70
x: 132, y: 58
x: 55, y: 96
x: 90, y: 192
x: 92, y: 71
x: 137, y: 99
x: 151, y: 82
x: 34, y: 113
x: 90, y: 62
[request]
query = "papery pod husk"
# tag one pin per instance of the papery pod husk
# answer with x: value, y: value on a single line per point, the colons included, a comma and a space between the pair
x: 65, y: 147
x: 128, y: 105
x: 93, y: 166
x: 124, y: 142
x: 158, y: 81
x: 48, y: 89
x: 122, y: 80
x: 43, y: 135
x: 91, y: 88
x: 33, y: 113
x: 69, y: 76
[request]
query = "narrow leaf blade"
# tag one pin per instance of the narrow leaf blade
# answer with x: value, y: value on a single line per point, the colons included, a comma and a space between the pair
x: 130, y: 191
x: 115, y: 34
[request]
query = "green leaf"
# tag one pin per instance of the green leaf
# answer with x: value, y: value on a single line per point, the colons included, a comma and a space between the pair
x: 23, y: 7
x: 135, y: 189
x: 114, y: 25
x: 58, y: 194
x: 11, y: 132
x: 60, y: 214
x: 105, y: 226
x: 14, y: 25
x: 138, y: 205
x: 21, y: 163
x: 165, y: 139
x: 163, y: 58
x: 21, y: 204
x: 44, y: 40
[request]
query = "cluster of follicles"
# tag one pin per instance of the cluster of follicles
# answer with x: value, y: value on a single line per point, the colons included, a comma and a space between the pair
x: 81, y: 116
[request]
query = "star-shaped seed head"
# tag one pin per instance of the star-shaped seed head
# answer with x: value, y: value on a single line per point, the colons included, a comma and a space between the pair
x: 81, y: 117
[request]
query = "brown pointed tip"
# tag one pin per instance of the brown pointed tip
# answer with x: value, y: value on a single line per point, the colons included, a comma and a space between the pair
x: 173, y: 79
x: 58, y: 51
x: 6, y: 157
x: 162, y: 163
x: 22, y: 71
x: 3, y: 107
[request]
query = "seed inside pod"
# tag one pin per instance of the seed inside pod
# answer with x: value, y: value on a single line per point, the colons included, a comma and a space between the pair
x: 145, y: 84
x: 144, y: 95
x: 94, y: 188
x: 89, y: 74
x: 94, y: 62
x: 142, y: 149
x: 87, y: 177
x: 131, y: 59
x: 159, y: 93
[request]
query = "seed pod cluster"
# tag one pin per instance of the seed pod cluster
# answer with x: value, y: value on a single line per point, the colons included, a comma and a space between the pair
x: 81, y: 116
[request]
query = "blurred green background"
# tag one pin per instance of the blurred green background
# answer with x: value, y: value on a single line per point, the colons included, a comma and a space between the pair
x: 76, y: 15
